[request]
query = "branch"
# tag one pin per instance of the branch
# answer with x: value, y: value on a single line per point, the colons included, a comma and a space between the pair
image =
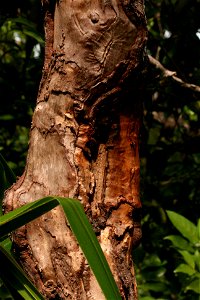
x: 167, y: 73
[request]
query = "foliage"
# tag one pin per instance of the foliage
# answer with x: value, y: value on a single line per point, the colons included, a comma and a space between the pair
x: 152, y: 277
x: 187, y: 245
x: 12, y: 274
x: 21, y: 51
x: 170, y: 141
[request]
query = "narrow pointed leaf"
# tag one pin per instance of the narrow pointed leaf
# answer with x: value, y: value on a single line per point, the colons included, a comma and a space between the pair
x: 10, y: 176
x: 3, y: 185
x: 81, y: 228
x: 11, y: 272
x: 194, y: 286
x: 7, y: 244
x: 34, y: 35
x: 7, y: 178
x: 25, y: 214
x: 89, y: 244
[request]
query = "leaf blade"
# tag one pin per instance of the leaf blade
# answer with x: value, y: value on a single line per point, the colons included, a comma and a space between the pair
x: 80, y: 226
x: 188, y: 258
x: 194, y: 286
x: 11, y: 178
x: 186, y: 269
x: 91, y: 248
x: 10, y: 271
x: 179, y: 242
x: 184, y: 226
x: 20, y: 216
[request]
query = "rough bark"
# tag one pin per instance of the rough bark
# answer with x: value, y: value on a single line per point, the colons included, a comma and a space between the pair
x: 84, y: 144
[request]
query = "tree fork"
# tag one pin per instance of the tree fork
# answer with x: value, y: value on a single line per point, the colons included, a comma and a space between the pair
x: 84, y: 144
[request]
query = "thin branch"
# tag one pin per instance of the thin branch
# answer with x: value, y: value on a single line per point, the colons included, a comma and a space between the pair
x: 167, y: 73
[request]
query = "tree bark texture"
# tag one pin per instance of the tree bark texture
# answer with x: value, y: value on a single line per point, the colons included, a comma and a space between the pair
x: 84, y: 144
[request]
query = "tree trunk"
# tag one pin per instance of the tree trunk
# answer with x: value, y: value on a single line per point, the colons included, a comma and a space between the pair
x: 84, y: 144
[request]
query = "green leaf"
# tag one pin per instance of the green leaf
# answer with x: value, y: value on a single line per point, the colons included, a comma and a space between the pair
x: 7, y: 244
x: 154, y: 134
x: 25, y: 214
x: 189, y: 258
x: 80, y: 227
x: 7, y: 178
x: 194, y: 286
x: 11, y: 272
x: 179, y: 242
x: 198, y: 229
x: 197, y: 259
x: 10, y: 176
x: 153, y: 274
x: 7, y: 117
x: 29, y: 28
x: 89, y: 244
x: 154, y: 286
x: 4, y: 292
x: 184, y: 226
x: 23, y: 21
x: 183, y: 268
x: 34, y: 35
x: 153, y: 260
x: 3, y: 184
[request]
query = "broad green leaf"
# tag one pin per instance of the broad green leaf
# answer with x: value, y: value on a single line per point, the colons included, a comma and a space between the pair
x: 11, y: 273
x: 179, y: 242
x: 183, y: 268
x: 81, y: 228
x: 194, y: 286
x: 197, y: 259
x: 184, y: 226
x: 189, y: 258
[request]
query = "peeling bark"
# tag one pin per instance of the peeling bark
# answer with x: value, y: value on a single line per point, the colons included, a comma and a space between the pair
x: 84, y: 144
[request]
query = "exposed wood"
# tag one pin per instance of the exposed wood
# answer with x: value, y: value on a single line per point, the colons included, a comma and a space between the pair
x: 84, y: 144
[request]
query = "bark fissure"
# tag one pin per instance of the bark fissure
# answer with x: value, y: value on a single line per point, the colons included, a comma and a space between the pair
x: 84, y: 144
